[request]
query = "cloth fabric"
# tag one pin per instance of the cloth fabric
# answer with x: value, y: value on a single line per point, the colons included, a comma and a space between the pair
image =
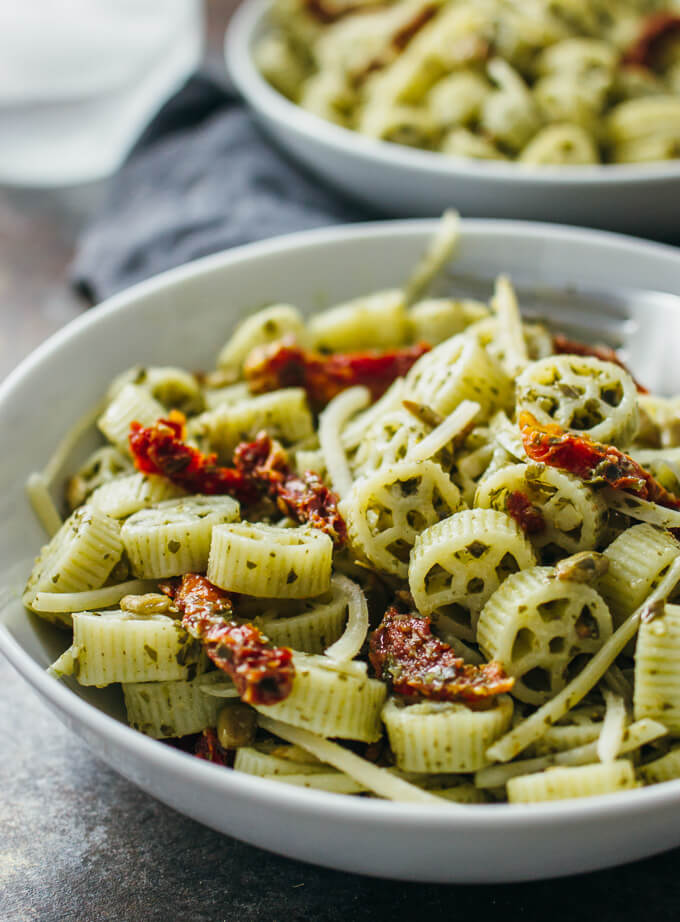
x: 201, y: 178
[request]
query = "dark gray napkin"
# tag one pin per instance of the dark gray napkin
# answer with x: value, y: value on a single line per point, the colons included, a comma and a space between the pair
x: 200, y: 179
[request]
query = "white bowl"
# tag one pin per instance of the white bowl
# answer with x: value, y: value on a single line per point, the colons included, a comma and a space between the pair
x: 182, y: 317
x: 406, y: 182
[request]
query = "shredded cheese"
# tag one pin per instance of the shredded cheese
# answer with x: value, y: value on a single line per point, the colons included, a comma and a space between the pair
x: 641, y: 509
x: 613, y: 726
x: 376, y: 779
x: 619, y: 684
x: 350, y: 643
x: 442, y: 435
x: 446, y: 628
x: 510, y: 332
x: 331, y: 422
x: 355, y: 431
x: 435, y: 258
x: 43, y: 504
x: 638, y: 734
x: 507, y: 435
x: 70, y: 440
x: 225, y: 689
x: 92, y: 599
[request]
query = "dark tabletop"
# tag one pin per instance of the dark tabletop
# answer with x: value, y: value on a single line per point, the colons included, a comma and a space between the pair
x: 77, y: 842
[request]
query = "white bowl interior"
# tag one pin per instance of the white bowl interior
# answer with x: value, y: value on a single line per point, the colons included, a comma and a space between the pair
x: 183, y: 317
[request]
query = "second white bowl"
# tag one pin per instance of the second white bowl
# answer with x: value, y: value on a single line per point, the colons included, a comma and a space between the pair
x: 404, y: 181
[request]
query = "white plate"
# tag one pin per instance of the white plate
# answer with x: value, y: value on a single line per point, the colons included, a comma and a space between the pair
x: 406, y: 182
x: 183, y: 317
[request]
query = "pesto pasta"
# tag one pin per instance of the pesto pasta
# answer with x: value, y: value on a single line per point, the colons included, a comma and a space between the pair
x: 541, y: 83
x: 410, y: 547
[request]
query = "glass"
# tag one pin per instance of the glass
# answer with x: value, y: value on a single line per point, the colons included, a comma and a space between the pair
x: 79, y: 79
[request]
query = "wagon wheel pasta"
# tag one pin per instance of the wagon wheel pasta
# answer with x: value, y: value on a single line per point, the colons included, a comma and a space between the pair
x: 411, y: 547
x: 572, y: 515
x: 458, y: 563
x: 540, y: 627
x: 388, y: 510
x: 595, y: 397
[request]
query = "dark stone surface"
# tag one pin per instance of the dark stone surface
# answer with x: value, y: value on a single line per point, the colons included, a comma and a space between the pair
x: 80, y: 844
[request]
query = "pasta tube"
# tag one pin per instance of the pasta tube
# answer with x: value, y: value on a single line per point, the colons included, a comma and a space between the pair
x: 174, y: 536
x: 433, y: 736
x: 332, y: 700
x: 269, y: 562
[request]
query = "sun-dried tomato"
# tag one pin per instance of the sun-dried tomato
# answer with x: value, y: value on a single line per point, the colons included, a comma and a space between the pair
x: 563, y: 345
x: 398, y: 43
x: 521, y: 509
x: 303, y: 497
x: 196, y: 597
x: 260, y: 469
x: 285, y: 364
x: 592, y: 461
x: 657, y: 29
x: 208, y: 748
x: 404, y: 652
x: 402, y: 37
x: 262, y: 674
x: 160, y: 449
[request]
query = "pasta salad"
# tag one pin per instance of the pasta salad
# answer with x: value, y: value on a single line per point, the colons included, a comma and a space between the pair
x: 411, y: 547
x: 541, y: 82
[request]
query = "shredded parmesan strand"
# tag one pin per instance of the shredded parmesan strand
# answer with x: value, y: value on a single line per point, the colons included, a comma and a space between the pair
x: 222, y: 690
x: 435, y: 258
x: 647, y: 456
x: 64, y: 666
x: 331, y: 423
x: 641, y: 509
x: 636, y: 735
x: 92, y: 599
x: 70, y: 440
x: 446, y: 628
x: 376, y: 779
x: 355, y: 667
x: 350, y: 643
x: 441, y: 436
x: 507, y: 435
x: 613, y: 726
x: 355, y: 431
x: 533, y: 728
x: 619, y: 684
x: 43, y: 504
x: 510, y: 333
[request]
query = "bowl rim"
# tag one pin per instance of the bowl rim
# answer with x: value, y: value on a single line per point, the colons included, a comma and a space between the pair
x: 250, y: 19
x: 304, y: 801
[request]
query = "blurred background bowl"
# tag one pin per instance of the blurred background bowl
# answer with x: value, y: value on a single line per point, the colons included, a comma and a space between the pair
x: 406, y: 182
